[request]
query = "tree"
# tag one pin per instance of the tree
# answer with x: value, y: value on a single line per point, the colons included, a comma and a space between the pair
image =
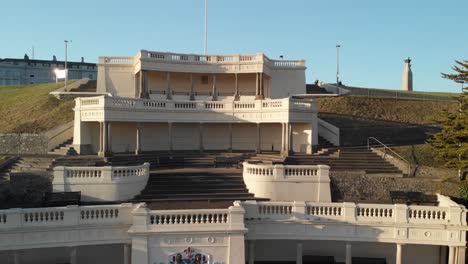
x: 450, y: 146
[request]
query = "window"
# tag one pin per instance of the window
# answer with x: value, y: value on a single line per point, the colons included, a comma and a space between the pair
x: 204, y: 79
x: 32, y: 75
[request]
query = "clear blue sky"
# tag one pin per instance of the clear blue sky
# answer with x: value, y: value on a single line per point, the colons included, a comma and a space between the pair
x: 375, y: 36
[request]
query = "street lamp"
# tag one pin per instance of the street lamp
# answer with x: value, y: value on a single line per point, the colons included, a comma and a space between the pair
x: 338, y: 64
x: 66, y: 68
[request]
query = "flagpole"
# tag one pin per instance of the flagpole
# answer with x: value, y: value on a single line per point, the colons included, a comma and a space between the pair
x: 206, y: 25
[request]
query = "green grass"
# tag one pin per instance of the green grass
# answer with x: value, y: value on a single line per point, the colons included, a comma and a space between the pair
x: 406, y: 111
x: 418, y: 154
x: 30, y: 108
x: 414, y: 95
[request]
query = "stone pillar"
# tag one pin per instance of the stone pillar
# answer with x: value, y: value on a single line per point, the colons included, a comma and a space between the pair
x: 258, y: 141
x: 168, y: 86
x: 109, y: 139
x: 461, y: 254
x: 349, y: 254
x: 200, y: 137
x: 299, y: 253
x: 127, y: 253
x: 140, y: 84
x: 251, y: 252
x: 290, y: 138
x: 143, y: 85
x: 215, y: 91
x: 236, y: 93
x: 257, y: 87
x: 138, y: 139
x: 73, y: 255
x: 192, y: 88
x: 101, y: 139
x: 451, y: 257
x: 261, y: 88
x: 169, y: 126
x: 230, y: 137
x: 16, y: 257
x: 398, y: 257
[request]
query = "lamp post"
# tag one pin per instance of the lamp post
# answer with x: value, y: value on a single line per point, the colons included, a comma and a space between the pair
x: 338, y: 64
x: 66, y: 68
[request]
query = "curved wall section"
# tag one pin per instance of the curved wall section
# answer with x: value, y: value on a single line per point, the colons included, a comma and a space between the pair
x: 102, y: 183
x: 288, y: 182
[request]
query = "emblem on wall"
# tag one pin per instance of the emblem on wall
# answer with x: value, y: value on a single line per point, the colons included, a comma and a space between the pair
x: 189, y: 256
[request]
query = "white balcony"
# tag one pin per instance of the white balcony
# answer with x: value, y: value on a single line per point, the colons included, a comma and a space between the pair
x: 285, y: 110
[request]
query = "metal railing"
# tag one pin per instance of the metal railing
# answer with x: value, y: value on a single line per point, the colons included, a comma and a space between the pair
x: 385, y: 148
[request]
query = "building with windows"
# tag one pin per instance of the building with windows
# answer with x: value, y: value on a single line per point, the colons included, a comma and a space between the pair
x: 32, y: 71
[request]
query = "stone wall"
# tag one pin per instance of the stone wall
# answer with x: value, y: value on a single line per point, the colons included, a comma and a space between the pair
x: 23, y: 144
x: 24, y: 190
x: 357, y: 186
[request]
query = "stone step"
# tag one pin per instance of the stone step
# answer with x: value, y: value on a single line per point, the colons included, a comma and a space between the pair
x: 191, y: 191
x: 204, y: 196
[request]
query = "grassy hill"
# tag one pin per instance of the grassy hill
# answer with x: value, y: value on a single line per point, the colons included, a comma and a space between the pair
x: 413, y: 95
x: 406, y: 111
x: 30, y: 108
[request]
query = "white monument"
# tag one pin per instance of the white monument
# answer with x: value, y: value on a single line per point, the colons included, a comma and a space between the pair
x: 407, y: 84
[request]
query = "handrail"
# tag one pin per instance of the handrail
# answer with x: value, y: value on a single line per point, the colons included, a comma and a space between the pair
x: 391, y: 150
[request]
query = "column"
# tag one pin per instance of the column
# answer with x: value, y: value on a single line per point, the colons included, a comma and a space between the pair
x: 192, y: 88
x: 461, y: 254
x: 16, y: 256
x: 262, y: 96
x: 101, y: 139
x: 215, y: 91
x: 349, y: 256
x: 299, y: 253
x: 257, y: 87
x: 168, y: 86
x: 138, y: 138
x: 258, y: 141
x: 236, y: 93
x: 127, y: 253
x: 169, y: 126
x: 140, y: 85
x: 230, y: 136
x: 398, y: 253
x: 251, y: 251
x: 290, y: 138
x: 451, y: 258
x: 143, y: 85
x: 73, y: 255
x: 282, y: 138
x: 109, y: 139
x: 200, y: 136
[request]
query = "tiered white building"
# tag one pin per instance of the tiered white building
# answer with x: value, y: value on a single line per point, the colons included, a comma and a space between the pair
x: 168, y: 102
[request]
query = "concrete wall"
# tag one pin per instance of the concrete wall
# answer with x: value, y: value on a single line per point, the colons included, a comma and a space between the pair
x: 242, y: 138
x: 216, y: 136
x: 117, y: 80
x: 270, y: 136
x: 154, y: 136
x: 286, y: 83
x: 23, y: 143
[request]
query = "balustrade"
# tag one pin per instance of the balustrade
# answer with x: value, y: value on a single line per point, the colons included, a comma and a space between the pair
x: 192, y: 217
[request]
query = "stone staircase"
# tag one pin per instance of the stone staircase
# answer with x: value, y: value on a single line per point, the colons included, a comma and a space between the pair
x: 89, y: 87
x: 195, y: 184
x: 349, y: 159
x: 64, y: 149
x: 37, y: 165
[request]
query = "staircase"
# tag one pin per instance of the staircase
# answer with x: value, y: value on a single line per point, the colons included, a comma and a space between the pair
x: 350, y: 159
x: 195, y: 184
x: 64, y: 149
x: 89, y: 87
x: 31, y: 165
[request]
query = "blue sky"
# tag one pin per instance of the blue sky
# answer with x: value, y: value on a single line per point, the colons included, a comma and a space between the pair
x: 375, y: 36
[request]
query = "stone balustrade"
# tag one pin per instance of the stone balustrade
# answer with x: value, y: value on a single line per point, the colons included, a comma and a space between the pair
x: 288, y: 182
x: 271, y: 110
x: 102, y: 183
x: 73, y: 215
x: 359, y: 213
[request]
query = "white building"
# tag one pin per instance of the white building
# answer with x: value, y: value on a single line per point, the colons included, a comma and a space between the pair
x: 31, y: 71
x: 170, y: 102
